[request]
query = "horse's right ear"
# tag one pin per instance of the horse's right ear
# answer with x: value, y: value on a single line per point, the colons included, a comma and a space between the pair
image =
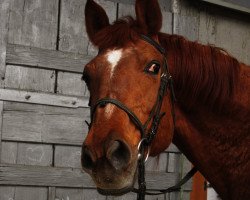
x: 95, y: 19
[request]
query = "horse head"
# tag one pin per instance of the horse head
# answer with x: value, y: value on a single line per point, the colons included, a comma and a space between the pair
x: 127, y: 69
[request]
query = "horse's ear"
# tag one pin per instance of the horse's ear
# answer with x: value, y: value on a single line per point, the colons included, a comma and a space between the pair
x: 148, y: 15
x: 95, y: 19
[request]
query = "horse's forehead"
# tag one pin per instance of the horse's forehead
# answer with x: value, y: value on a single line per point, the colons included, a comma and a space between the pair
x: 113, y: 57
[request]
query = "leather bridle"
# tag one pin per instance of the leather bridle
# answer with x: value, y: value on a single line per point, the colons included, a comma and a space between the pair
x: 155, y: 116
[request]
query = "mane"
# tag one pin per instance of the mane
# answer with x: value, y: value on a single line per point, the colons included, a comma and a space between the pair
x: 202, y: 73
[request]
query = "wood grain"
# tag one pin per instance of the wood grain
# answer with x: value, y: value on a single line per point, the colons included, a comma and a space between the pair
x: 71, y: 84
x: 31, y: 193
x: 67, y: 156
x: 27, y: 154
x: 33, y: 23
x: 9, y: 152
x: 7, y: 192
x: 4, y: 14
x: 45, y: 58
x: 68, y: 177
x: 27, y: 79
x: 43, y: 98
x: 1, y: 120
x: 70, y: 193
x: 36, y: 123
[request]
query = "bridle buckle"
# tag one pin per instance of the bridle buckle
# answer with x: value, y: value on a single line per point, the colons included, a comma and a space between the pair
x: 139, y: 150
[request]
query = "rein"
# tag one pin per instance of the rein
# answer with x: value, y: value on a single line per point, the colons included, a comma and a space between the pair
x: 155, y: 116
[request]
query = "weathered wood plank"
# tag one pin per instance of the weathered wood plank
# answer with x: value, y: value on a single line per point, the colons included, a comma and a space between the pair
x: 68, y: 177
x: 68, y: 193
x: 71, y: 84
x: 44, y: 58
x: 4, y: 14
x: 126, y: 10
x: 7, y: 193
x: 158, y: 163
x: 1, y: 120
x: 29, y: 78
x: 173, y: 162
x: 33, y: 23
x: 34, y: 154
x: 67, y: 156
x: 27, y: 154
x: 9, y: 152
x: 52, y: 193
x: 31, y: 193
x: 129, y: 196
x: 73, y: 37
x: 26, y: 122
x: 172, y: 148
x: 239, y: 33
x: 43, y: 98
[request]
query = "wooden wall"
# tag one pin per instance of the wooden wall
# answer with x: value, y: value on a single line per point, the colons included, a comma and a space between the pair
x: 43, y: 101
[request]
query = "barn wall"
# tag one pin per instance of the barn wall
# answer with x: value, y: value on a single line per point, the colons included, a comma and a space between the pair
x: 43, y: 101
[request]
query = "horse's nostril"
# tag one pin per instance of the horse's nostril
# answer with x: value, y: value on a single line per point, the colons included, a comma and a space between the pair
x: 87, y: 161
x: 118, y: 154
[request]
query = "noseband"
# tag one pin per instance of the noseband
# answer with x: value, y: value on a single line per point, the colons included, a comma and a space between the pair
x: 147, y: 133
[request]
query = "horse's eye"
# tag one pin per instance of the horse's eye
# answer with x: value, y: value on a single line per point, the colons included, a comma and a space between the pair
x: 153, y: 67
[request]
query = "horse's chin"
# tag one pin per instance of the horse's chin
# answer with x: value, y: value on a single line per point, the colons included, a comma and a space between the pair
x: 115, y: 192
x: 128, y: 187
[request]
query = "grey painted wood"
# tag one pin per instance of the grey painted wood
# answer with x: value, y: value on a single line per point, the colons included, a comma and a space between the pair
x: 71, y: 84
x: 9, y: 152
x: 33, y: 23
x: 7, y: 193
x: 126, y: 10
x: 75, y: 194
x: 27, y: 79
x: 73, y: 37
x: 34, y: 154
x: 43, y: 98
x: 213, y: 27
x: 172, y: 148
x: 72, y: 27
x: 234, y: 36
x: 36, y: 123
x: 1, y: 120
x: 173, y: 162
x: 241, y: 5
x: 67, y: 156
x: 158, y: 163
x: 52, y: 193
x: 68, y: 177
x: 129, y: 196
x: 31, y: 193
x: 44, y: 58
x: 4, y: 14
x: 27, y: 154
x: 186, y: 26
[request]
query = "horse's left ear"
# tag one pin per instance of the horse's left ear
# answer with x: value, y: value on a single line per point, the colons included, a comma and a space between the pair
x: 95, y: 19
x: 148, y: 15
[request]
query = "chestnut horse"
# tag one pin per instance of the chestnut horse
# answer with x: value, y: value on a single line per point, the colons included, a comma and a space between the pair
x: 212, y: 125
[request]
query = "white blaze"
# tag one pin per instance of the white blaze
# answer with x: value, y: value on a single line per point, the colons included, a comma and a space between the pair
x: 109, y: 110
x: 113, y: 58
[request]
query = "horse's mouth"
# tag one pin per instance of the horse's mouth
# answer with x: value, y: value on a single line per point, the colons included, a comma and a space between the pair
x: 115, y: 192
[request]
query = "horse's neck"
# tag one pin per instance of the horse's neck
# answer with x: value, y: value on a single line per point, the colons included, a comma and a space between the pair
x: 218, y: 144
